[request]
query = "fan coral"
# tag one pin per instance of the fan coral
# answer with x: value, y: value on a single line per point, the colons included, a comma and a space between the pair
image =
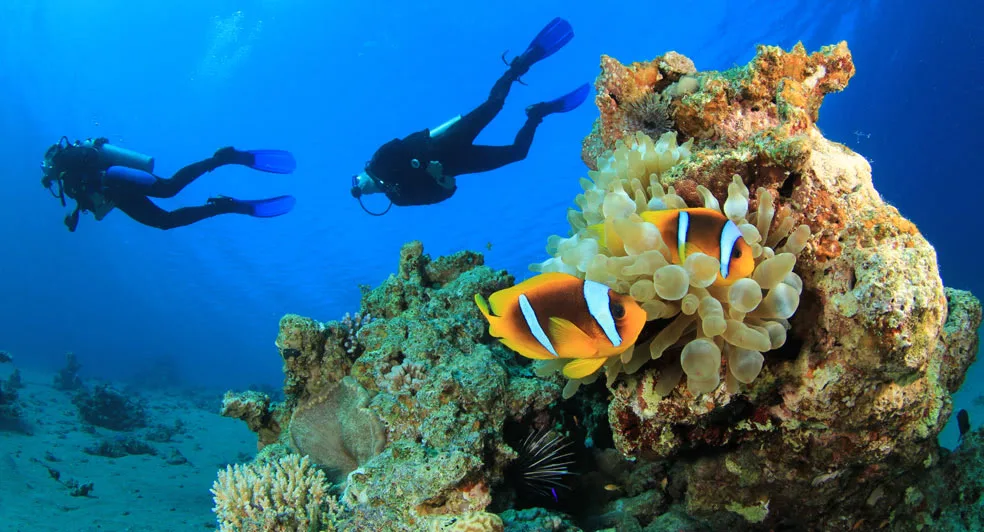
x: 739, y: 321
x: 284, y: 495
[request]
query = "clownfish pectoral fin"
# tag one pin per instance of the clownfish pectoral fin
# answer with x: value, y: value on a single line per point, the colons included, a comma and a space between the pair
x: 582, y: 367
x: 527, y: 351
x: 569, y: 340
x: 483, y: 307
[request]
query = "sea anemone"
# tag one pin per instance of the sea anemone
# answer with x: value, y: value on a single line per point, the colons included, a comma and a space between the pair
x: 542, y: 464
x: 649, y: 114
x: 708, y: 323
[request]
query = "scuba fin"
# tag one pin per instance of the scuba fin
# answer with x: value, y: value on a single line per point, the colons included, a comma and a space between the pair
x: 273, y: 161
x: 551, y: 38
x: 263, y: 208
x: 565, y: 103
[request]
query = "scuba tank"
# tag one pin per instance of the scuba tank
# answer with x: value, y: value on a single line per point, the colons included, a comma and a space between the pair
x: 111, y: 155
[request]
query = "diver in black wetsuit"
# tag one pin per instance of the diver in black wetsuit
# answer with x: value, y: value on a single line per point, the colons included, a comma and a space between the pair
x: 100, y: 177
x: 420, y: 169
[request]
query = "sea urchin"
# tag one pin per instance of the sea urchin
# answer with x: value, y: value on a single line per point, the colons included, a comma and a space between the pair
x: 649, y: 114
x: 542, y: 464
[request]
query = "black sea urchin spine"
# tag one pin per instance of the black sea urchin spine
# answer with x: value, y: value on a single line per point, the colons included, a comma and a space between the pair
x: 543, y: 463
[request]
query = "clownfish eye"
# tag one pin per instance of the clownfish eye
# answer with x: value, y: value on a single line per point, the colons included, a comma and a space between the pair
x: 618, y: 311
x: 736, y: 253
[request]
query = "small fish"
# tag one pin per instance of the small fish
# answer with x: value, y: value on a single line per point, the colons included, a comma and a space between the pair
x: 963, y: 422
x: 488, y: 246
x: 612, y: 487
x: 556, y: 315
x: 697, y: 230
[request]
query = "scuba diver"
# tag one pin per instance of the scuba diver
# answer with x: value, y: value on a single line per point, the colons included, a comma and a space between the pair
x: 100, y: 176
x: 420, y: 169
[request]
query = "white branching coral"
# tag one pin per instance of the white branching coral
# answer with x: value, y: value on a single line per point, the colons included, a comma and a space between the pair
x: 351, y: 324
x: 287, y: 494
x: 707, y: 321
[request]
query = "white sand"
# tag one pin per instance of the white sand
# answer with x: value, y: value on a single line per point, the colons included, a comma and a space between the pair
x: 132, y: 493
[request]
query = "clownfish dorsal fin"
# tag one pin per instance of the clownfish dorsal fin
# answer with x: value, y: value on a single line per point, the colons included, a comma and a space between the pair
x: 582, y: 367
x: 569, y: 339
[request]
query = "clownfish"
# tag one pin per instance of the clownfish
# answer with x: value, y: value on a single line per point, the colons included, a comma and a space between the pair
x: 696, y: 230
x: 556, y: 315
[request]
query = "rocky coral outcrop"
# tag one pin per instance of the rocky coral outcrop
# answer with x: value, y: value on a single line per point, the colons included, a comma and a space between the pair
x: 862, y: 385
x: 411, y: 404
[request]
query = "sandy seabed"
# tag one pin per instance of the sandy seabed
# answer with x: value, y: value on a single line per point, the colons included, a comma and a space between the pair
x: 166, y: 491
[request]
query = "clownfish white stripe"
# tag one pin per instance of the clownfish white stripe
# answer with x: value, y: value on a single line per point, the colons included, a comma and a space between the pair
x: 729, y: 236
x: 596, y: 296
x: 534, y: 324
x: 683, y: 227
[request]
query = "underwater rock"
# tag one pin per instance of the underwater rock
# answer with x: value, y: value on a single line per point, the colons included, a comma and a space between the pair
x: 120, y: 446
x: 948, y: 497
x: 257, y: 410
x: 6, y: 357
x: 108, y: 408
x: 859, y: 386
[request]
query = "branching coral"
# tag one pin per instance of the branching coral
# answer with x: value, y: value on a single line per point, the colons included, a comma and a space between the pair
x: 709, y: 321
x: 406, y: 377
x: 287, y: 494
x: 351, y: 323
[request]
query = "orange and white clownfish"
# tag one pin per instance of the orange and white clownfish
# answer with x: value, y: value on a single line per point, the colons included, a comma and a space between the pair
x: 556, y: 315
x: 696, y: 230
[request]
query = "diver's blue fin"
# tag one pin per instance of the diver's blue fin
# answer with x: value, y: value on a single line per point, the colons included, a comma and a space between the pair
x: 551, y: 38
x: 565, y: 103
x: 273, y: 161
x: 262, y: 208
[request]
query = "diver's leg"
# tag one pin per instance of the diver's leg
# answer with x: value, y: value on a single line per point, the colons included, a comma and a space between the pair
x: 465, y: 130
x: 168, y: 188
x: 142, y: 210
x: 474, y: 159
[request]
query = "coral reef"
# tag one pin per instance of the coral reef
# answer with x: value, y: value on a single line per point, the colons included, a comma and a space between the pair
x: 284, y: 495
x: 10, y: 408
x: 258, y: 411
x: 120, y: 446
x: 416, y: 418
x: 817, y: 377
x: 108, y: 408
x: 947, y: 498
x: 5, y: 357
x: 67, y: 377
x: 854, y: 385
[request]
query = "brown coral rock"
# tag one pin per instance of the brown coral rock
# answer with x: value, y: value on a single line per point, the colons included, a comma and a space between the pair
x: 257, y: 411
x: 862, y: 386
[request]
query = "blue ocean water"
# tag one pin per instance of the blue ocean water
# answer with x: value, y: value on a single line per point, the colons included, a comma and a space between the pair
x: 331, y: 81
